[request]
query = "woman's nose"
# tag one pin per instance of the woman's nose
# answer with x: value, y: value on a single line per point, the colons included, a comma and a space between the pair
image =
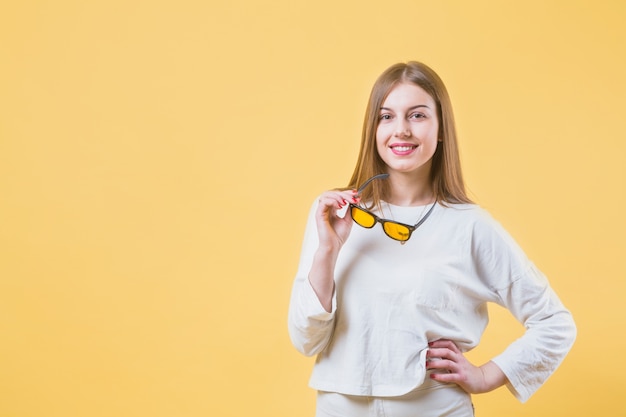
x: 402, y: 129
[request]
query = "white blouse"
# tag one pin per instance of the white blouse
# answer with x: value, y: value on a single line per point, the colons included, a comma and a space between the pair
x: 391, y: 300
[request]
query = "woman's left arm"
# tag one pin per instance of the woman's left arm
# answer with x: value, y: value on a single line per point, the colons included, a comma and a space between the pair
x: 516, y: 284
x: 550, y: 333
x: 527, y: 362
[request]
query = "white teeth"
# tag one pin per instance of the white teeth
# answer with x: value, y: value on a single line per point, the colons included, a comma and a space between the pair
x: 403, y: 148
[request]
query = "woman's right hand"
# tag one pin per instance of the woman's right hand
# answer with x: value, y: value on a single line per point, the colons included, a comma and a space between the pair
x: 332, y: 229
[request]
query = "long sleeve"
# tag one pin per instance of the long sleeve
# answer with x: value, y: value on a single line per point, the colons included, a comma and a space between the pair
x: 550, y: 333
x: 310, y: 325
x: 522, y: 289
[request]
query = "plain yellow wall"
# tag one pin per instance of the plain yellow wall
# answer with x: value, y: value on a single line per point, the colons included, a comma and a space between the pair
x: 158, y: 159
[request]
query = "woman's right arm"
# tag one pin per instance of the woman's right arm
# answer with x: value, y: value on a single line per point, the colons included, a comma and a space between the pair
x: 312, y: 306
x: 332, y: 231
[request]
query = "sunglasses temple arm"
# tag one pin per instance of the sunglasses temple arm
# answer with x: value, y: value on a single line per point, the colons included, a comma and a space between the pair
x: 366, y: 183
x: 425, y: 216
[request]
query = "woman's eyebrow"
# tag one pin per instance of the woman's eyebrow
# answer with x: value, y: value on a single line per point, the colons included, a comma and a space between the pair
x: 410, y: 108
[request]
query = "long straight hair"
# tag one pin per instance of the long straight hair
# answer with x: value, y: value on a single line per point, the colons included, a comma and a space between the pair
x: 445, y: 173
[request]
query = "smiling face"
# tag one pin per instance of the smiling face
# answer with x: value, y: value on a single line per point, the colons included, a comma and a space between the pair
x: 406, y: 136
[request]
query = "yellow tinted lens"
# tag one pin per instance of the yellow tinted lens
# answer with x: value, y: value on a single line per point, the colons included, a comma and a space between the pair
x: 397, y: 231
x: 362, y: 218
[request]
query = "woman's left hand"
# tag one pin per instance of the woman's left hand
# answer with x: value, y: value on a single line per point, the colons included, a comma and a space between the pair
x: 444, y: 355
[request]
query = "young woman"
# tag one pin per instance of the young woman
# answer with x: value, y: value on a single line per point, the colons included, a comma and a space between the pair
x: 391, y: 305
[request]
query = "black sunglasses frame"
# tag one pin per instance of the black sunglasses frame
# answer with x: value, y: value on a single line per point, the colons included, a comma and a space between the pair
x: 382, y: 221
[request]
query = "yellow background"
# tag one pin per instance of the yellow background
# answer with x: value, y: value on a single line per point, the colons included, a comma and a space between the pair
x: 158, y: 159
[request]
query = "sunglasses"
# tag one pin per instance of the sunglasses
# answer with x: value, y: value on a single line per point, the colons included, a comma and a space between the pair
x: 395, y: 230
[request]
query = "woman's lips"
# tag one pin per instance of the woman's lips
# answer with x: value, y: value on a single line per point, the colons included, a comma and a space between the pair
x: 403, y: 148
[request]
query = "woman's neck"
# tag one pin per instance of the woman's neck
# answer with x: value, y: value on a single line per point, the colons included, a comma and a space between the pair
x: 406, y: 190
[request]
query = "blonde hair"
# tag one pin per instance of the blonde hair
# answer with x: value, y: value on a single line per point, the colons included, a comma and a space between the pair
x: 445, y: 174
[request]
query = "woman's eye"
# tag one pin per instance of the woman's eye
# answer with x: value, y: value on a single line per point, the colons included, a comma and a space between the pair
x: 385, y: 117
x: 417, y: 116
